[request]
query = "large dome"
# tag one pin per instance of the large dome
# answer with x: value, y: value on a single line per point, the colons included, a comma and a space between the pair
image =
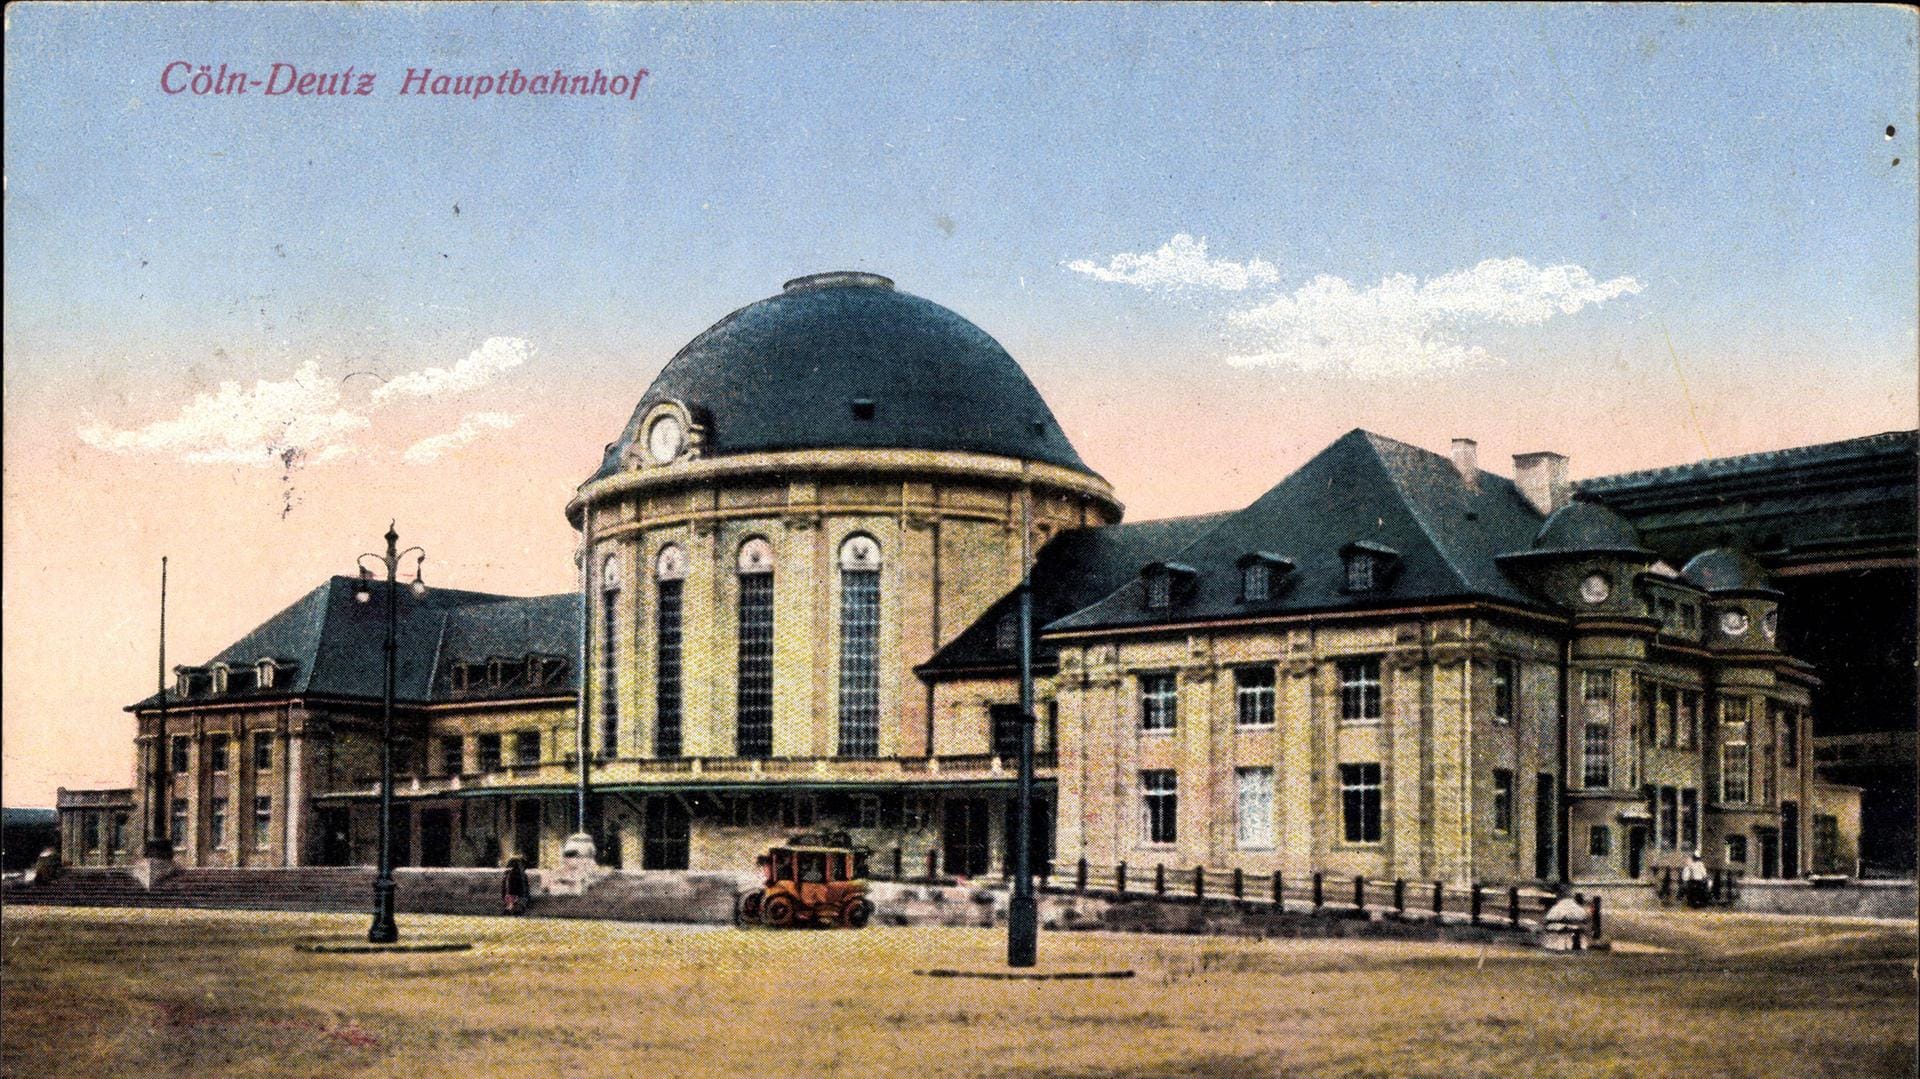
x: 843, y: 360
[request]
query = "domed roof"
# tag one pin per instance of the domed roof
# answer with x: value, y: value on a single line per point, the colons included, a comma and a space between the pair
x: 1587, y: 526
x: 1723, y: 569
x: 843, y: 360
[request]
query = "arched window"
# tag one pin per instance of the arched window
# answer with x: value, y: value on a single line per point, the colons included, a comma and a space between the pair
x: 609, y: 656
x: 753, y: 732
x: 669, y: 574
x: 859, y: 647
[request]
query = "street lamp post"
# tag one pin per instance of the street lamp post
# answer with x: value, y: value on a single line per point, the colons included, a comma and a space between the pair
x: 384, y: 931
x: 1023, y: 913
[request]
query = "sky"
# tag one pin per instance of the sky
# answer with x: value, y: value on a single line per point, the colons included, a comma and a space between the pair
x: 246, y: 330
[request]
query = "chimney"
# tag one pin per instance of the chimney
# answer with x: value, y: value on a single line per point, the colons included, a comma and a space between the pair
x: 1466, y: 461
x: 1542, y: 478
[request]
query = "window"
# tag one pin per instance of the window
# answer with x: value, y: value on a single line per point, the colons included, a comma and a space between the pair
x: 1160, y: 806
x: 177, y: 823
x: 262, y: 821
x: 1360, y: 691
x: 796, y: 811
x: 1504, y: 678
x: 489, y: 748
x: 1253, y: 696
x: 526, y: 748
x: 1769, y: 754
x: 609, y: 658
x: 118, y: 835
x: 220, y: 678
x: 860, y: 647
x: 1159, y: 702
x: 263, y: 674
x: 90, y: 831
x: 182, y: 752
x: 1600, y: 841
x: 1159, y: 591
x: 217, y: 822
x: 1789, y: 738
x: 1597, y: 748
x: 753, y: 735
x: 262, y: 751
x: 453, y: 759
x: 1688, y: 723
x: 1360, y: 802
x: 866, y: 811
x: 217, y: 753
x: 1689, y: 819
x: 1360, y: 574
x: 670, y: 569
x: 1734, y: 762
x: 1254, y: 821
x: 1256, y: 581
x: 1666, y: 718
x: 1667, y: 814
x: 1737, y: 848
x: 1826, y: 843
x: 1502, y: 801
x: 1690, y: 619
x: 1006, y: 635
x: 1005, y: 721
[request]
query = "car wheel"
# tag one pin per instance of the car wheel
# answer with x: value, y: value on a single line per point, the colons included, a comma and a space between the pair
x: 777, y: 911
x: 747, y: 911
x: 859, y: 912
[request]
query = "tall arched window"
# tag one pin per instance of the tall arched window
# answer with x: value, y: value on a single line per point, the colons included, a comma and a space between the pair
x: 860, y: 647
x: 753, y: 732
x: 669, y: 573
x: 609, y: 653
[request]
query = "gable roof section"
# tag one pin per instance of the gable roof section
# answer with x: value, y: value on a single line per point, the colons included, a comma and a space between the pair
x: 1362, y: 489
x: 334, y: 641
x: 1072, y: 570
x: 1806, y: 503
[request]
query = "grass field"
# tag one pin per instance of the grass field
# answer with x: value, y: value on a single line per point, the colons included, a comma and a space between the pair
x: 224, y: 994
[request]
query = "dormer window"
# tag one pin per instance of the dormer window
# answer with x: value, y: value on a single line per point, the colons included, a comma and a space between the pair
x: 219, y: 678
x: 1369, y: 566
x: 1261, y: 576
x: 1166, y: 583
x: 263, y: 674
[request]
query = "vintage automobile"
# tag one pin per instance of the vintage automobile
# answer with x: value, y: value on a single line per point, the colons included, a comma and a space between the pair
x: 816, y: 879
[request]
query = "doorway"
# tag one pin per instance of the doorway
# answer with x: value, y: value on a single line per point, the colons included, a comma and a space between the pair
x: 436, y: 838
x: 1544, y: 826
x: 967, y: 838
x: 526, y: 831
x: 1769, y: 852
x: 1636, y: 850
x: 336, y: 836
x: 666, y: 834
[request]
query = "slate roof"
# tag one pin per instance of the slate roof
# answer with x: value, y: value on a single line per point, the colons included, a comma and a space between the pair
x: 1362, y: 489
x: 1721, y: 570
x: 782, y: 374
x: 1587, y: 527
x: 1856, y: 495
x: 1072, y: 570
x: 334, y: 642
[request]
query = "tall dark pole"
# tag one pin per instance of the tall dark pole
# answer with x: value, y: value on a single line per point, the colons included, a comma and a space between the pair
x: 384, y: 931
x: 1023, y: 912
x: 159, y: 829
x: 581, y: 726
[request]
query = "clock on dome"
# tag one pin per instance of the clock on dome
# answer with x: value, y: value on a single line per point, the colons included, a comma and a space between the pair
x: 1733, y: 623
x: 665, y: 438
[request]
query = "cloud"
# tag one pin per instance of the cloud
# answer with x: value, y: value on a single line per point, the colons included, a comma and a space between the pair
x: 299, y: 420
x: 481, y: 366
x: 472, y: 426
x: 1399, y: 326
x: 1181, y: 262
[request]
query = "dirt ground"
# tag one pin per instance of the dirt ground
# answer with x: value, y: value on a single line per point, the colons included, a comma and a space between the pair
x: 102, y: 993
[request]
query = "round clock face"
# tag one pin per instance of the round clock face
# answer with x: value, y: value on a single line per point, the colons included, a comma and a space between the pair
x: 1733, y: 623
x: 1595, y: 588
x: 1770, y: 625
x: 664, y: 439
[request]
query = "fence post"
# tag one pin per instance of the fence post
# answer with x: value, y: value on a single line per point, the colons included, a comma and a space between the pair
x: 1159, y: 878
x: 1360, y: 893
x: 1279, y: 890
x: 1400, y: 896
x: 1080, y: 876
x: 1199, y: 882
x: 1239, y: 890
x: 1439, y: 898
x: 1475, y: 917
x: 1319, y: 895
x: 898, y: 865
x: 1120, y: 878
x: 1513, y: 906
x: 933, y: 864
x: 1596, y: 914
x: 1046, y: 873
